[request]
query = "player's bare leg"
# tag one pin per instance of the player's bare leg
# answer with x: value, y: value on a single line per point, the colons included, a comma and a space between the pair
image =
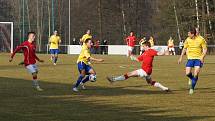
x: 55, y: 59
x: 122, y: 77
x: 87, y: 78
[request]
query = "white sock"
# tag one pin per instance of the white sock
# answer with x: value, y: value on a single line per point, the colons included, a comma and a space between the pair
x: 157, y: 84
x: 119, y: 78
x: 35, y: 83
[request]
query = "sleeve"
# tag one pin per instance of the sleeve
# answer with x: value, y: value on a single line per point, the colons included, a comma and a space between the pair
x: 186, y: 44
x: 18, y: 48
x: 154, y: 53
x: 204, y: 44
x: 35, y: 55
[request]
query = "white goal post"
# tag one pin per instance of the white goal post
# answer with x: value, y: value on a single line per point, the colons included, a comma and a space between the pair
x: 11, y: 33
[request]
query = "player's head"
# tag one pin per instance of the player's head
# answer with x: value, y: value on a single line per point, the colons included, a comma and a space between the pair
x: 88, y: 31
x: 146, y: 45
x: 131, y: 33
x: 192, y: 32
x: 31, y: 36
x: 55, y: 32
x: 88, y: 42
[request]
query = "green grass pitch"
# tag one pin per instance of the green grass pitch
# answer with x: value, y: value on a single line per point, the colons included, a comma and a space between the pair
x: 130, y: 100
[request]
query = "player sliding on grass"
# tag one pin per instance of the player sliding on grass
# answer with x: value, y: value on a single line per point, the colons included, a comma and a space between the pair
x: 86, y: 71
x: 29, y: 48
x: 146, y: 70
x: 196, y: 48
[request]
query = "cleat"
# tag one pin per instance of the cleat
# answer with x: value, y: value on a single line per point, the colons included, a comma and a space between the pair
x: 38, y: 88
x: 55, y: 64
x: 191, y: 91
x: 110, y: 79
x: 75, y: 89
x: 82, y: 86
x: 167, y: 90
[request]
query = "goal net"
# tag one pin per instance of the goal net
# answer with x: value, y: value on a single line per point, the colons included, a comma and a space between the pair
x: 6, y: 37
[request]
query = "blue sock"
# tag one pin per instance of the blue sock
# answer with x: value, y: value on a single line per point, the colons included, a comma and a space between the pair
x: 79, y: 80
x: 86, y: 79
x: 190, y: 75
x: 194, y: 81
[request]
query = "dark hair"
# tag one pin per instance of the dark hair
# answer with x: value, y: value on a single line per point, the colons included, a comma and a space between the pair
x: 193, y: 31
x: 147, y: 43
x: 87, y: 40
x: 31, y: 33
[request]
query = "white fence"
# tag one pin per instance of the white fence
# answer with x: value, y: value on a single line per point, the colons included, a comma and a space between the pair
x: 112, y: 49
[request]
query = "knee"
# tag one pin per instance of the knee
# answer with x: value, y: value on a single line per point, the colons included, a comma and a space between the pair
x: 148, y: 79
x: 34, y: 75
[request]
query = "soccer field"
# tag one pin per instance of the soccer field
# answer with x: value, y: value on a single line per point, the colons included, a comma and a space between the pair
x: 130, y: 100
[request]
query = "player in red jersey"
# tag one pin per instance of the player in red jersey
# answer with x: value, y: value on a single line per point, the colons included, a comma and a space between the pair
x: 29, y: 50
x: 146, y: 70
x: 130, y: 40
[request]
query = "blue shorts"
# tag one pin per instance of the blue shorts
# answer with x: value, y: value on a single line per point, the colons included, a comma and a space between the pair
x: 194, y: 62
x: 83, y: 66
x: 54, y: 51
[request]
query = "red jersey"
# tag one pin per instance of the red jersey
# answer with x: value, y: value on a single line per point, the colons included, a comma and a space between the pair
x: 147, y: 60
x: 131, y: 41
x: 29, y: 51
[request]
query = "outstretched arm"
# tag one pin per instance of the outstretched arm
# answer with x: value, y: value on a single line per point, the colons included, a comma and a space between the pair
x: 18, y: 48
x: 96, y: 59
x: 204, y: 52
x: 182, y: 53
x: 38, y: 58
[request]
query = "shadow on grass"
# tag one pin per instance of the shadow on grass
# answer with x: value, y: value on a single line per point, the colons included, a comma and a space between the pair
x: 19, y: 102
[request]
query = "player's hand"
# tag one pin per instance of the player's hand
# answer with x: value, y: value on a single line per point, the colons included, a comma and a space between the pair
x: 179, y: 60
x: 202, y: 60
x: 41, y: 61
x: 100, y: 60
x: 11, y: 59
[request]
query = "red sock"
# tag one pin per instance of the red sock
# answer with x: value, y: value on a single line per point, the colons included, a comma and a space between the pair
x: 126, y: 76
x: 34, y: 77
x: 152, y: 82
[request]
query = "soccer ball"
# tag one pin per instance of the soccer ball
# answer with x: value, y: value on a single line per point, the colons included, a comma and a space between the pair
x: 92, y: 77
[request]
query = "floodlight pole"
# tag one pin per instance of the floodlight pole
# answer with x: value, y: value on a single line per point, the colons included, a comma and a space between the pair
x: 69, y: 21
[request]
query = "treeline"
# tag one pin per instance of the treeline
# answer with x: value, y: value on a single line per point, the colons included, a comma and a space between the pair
x: 109, y: 19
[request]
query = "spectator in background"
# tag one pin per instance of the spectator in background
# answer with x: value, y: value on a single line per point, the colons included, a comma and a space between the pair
x: 97, y: 43
x: 104, y: 47
x: 170, y: 45
x: 151, y: 40
x: 74, y: 42
x: 181, y: 46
